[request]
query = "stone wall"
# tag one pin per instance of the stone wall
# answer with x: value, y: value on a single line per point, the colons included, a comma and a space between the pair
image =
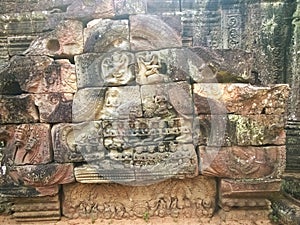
x: 124, y: 108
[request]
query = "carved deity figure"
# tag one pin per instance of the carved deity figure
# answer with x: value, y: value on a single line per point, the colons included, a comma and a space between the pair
x: 116, y: 69
x: 111, y: 103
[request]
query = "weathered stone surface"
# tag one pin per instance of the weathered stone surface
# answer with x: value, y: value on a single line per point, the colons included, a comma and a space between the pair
x: 223, y: 66
x: 24, y: 144
x: 37, y: 74
x: 146, y: 35
x: 54, y: 107
x: 104, y: 35
x: 101, y: 70
x: 141, y: 166
x: 18, y: 44
x: 157, y: 6
x: 37, y: 209
x: 291, y: 187
x: 248, y: 188
x: 243, y: 99
x: 43, y: 175
x: 106, y: 103
x: 292, y: 146
x: 227, y: 130
x: 18, y: 109
x: 176, y: 198
x: 242, y: 162
x: 127, y: 7
x: 81, y: 9
x: 285, y: 211
x: 28, y: 23
x: 65, y: 41
x: 165, y: 100
x: 163, y: 66
x: 13, y: 190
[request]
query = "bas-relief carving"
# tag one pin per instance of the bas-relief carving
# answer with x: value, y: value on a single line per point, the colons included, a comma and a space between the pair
x: 24, y: 144
x: 54, y: 107
x: 106, y: 103
x: 109, y: 69
x: 243, y: 162
x: 176, y: 198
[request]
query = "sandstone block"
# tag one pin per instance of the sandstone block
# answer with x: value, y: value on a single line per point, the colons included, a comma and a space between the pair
x: 101, y: 70
x: 169, y: 65
x: 54, y: 107
x: 243, y: 99
x: 222, y: 66
x: 127, y: 7
x: 38, y: 74
x: 157, y: 6
x: 43, y: 175
x: 146, y: 35
x: 175, y: 198
x: 285, y: 211
x: 242, y: 162
x: 166, y: 100
x: 25, y: 144
x: 39, y: 209
x: 106, y: 103
x: 104, y: 35
x: 81, y: 9
x: 18, y: 109
x: 255, y: 130
x: 13, y: 190
x: 65, y: 41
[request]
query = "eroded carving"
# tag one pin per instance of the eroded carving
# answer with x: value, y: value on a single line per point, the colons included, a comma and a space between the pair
x: 176, y: 198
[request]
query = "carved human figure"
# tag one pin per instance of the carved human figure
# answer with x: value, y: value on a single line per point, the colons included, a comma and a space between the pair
x: 115, y: 69
x: 111, y: 103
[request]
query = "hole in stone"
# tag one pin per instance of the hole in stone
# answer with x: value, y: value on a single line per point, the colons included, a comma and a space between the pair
x: 53, y: 45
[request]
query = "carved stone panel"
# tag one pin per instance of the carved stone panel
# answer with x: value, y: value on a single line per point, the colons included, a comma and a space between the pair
x: 241, y: 130
x: 169, y: 65
x: 175, y: 198
x: 242, y: 162
x: 165, y: 100
x: 146, y: 35
x: 101, y: 70
x: 127, y: 7
x: 248, y: 188
x: 244, y: 99
x: 104, y: 35
x: 24, y: 144
x: 106, y: 103
x: 37, y: 209
x: 65, y: 41
x: 91, y: 9
x: 38, y: 74
x: 157, y: 6
x: 18, y: 109
x: 54, y: 107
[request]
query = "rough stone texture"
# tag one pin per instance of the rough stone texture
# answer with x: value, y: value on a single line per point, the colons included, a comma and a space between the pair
x: 18, y: 109
x: 43, y: 175
x: 242, y: 162
x: 101, y: 70
x: 127, y: 7
x: 243, y: 99
x: 106, y: 103
x: 36, y: 209
x: 104, y: 35
x: 240, y: 130
x: 146, y: 35
x: 292, y: 146
x: 65, y: 41
x: 285, y: 211
x: 174, y: 198
x: 81, y: 9
x: 157, y: 6
x: 54, y: 107
x: 37, y: 74
x: 24, y: 144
